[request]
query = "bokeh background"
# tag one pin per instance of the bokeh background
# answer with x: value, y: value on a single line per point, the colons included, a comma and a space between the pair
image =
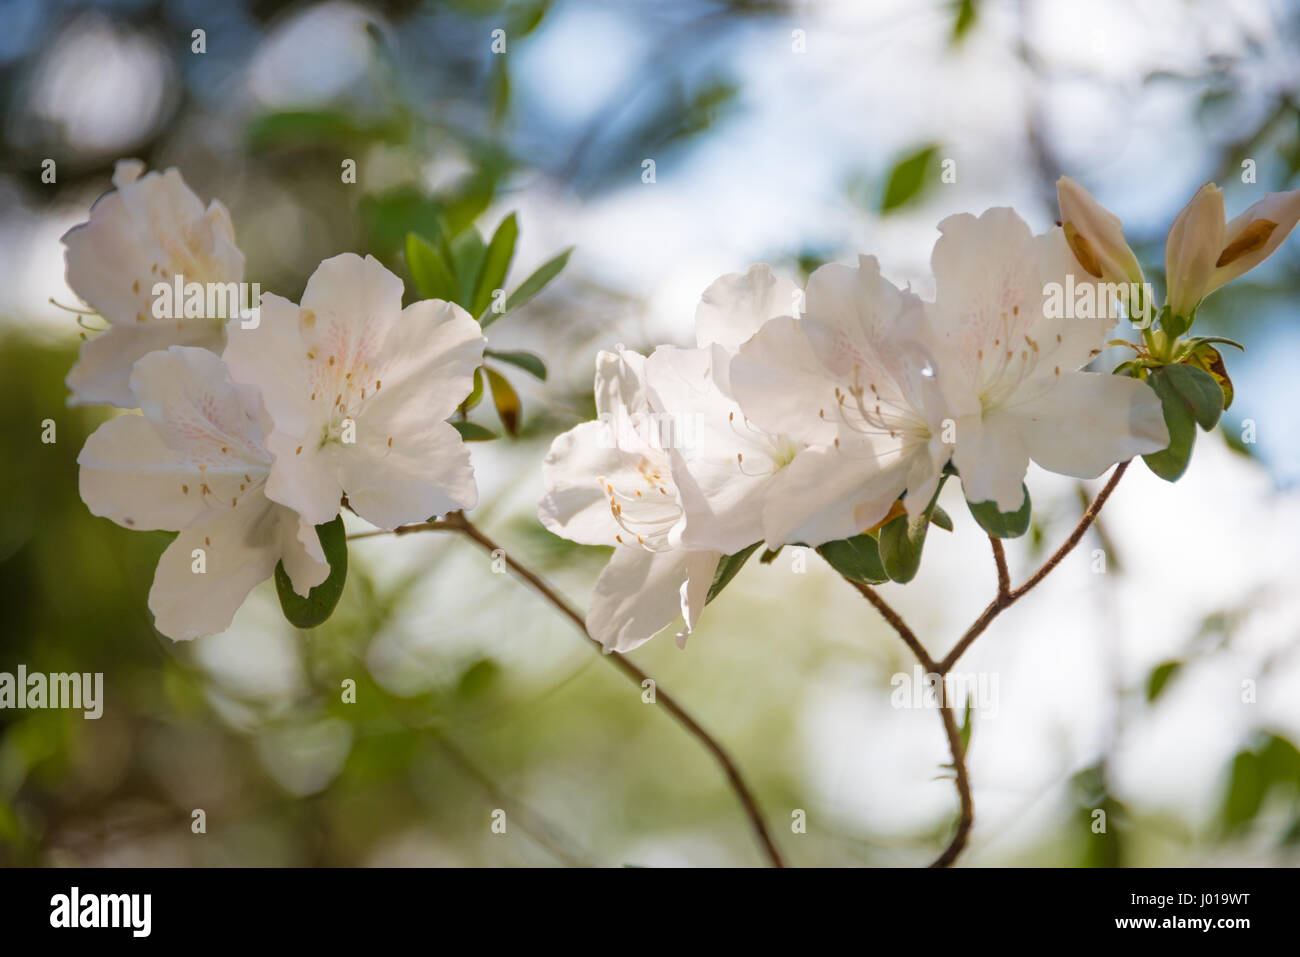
x: 1162, y: 691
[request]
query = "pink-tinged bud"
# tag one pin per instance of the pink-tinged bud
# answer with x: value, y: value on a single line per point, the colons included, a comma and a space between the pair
x: 1095, y: 235
x: 1254, y: 235
x: 1194, y: 243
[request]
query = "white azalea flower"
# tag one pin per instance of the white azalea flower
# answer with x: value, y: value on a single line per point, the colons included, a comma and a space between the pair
x: 854, y: 380
x: 722, y: 464
x: 1008, y: 373
x: 149, y: 230
x: 610, y: 482
x: 193, y: 461
x: 359, y: 389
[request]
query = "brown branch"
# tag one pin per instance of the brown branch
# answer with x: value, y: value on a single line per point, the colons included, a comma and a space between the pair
x: 962, y: 780
x: 1000, y: 559
x: 1006, y: 597
x: 457, y: 522
x: 896, y: 622
x: 1009, y: 598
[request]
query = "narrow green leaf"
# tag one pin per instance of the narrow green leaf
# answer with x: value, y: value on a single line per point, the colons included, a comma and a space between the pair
x: 727, y: 568
x: 535, y: 283
x: 476, y: 391
x: 1159, y: 677
x: 320, y: 602
x: 941, y: 518
x: 506, y: 399
x: 473, y: 432
x: 525, y: 360
x: 967, y: 725
x: 1002, y: 524
x: 908, y: 179
x: 856, y: 558
x: 964, y: 21
x: 495, y: 265
x: 432, y: 276
x: 467, y: 251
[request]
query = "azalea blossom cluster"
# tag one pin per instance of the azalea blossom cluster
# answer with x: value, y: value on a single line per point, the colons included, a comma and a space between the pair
x: 249, y: 435
x: 827, y: 416
x: 830, y: 413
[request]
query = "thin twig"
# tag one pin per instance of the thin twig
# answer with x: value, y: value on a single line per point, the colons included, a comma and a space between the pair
x: 896, y: 622
x: 1006, y: 597
x: 457, y: 522
x: 543, y: 833
x: 1000, y: 559
x: 1009, y: 598
x: 962, y: 781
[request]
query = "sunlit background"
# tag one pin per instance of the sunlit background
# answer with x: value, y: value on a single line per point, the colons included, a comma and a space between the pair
x: 1162, y: 692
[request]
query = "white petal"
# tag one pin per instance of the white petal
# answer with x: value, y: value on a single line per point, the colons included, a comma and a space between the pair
x: 1194, y: 242
x: 301, y: 552
x: 992, y: 460
x: 827, y: 494
x: 240, y: 549
x: 273, y: 356
x: 355, y: 302
x: 425, y: 471
x: 721, y: 465
x: 701, y: 567
x: 306, y: 477
x: 1091, y: 421
x: 576, y: 506
x: 102, y: 372
x: 1280, y: 208
x: 619, y: 388
x: 130, y: 475
x: 782, y: 386
x: 428, y: 360
x: 638, y: 595
x: 1106, y: 248
x: 734, y: 307
x: 196, y: 445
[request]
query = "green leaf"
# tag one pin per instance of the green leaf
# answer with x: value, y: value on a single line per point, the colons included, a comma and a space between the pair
x: 1198, y: 389
x: 967, y: 725
x: 506, y: 399
x: 1002, y: 524
x: 941, y: 518
x: 856, y: 558
x: 1245, y: 791
x: 1208, y: 358
x: 429, y: 270
x: 473, y: 432
x: 1171, y: 462
x: 476, y: 391
x: 525, y: 360
x: 467, y: 251
x: 496, y: 263
x: 964, y: 21
x: 1159, y: 677
x: 320, y: 602
x: 901, y: 541
x: 908, y: 179
x: 727, y: 568
x: 535, y: 283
